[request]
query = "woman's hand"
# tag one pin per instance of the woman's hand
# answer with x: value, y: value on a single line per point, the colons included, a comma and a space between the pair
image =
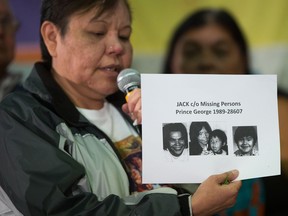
x: 133, y: 107
x: 215, y: 194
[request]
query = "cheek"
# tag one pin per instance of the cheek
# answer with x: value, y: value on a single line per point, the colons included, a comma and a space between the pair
x: 176, y: 60
x: 175, y: 65
x: 127, y: 57
x: 250, y: 143
x: 10, y: 46
x: 74, y: 66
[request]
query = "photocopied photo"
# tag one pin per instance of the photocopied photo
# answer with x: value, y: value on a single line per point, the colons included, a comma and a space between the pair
x: 209, y: 129
x: 245, y: 138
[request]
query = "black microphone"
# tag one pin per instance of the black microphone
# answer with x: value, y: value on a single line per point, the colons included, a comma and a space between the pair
x: 128, y: 80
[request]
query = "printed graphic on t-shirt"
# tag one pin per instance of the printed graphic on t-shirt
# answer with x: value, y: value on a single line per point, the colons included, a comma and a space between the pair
x: 130, y: 151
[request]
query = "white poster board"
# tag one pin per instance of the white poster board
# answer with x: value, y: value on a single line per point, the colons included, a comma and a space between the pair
x: 225, y: 102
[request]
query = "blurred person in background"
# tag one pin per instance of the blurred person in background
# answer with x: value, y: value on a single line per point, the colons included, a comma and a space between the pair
x: 210, y: 41
x: 8, y: 28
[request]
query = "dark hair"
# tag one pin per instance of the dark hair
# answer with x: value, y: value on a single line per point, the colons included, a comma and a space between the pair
x: 59, y: 12
x: 194, y: 130
x: 202, y: 18
x: 167, y: 128
x: 244, y: 131
x: 221, y: 135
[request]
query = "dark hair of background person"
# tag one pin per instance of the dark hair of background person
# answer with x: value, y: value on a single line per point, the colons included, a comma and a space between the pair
x: 202, y: 18
x: 62, y: 10
x: 222, y: 136
x: 167, y: 128
x: 244, y: 131
x: 9, y: 27
x: 195, y: 127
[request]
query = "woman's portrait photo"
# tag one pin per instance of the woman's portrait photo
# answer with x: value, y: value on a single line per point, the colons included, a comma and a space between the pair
x: 175, y: 141
x: 199, y: 133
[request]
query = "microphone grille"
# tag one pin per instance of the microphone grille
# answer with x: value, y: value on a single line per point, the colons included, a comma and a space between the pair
x: 128, y: 78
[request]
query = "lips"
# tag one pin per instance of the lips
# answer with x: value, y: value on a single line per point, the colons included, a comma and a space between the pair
x: 204, y: 141
x: 111, y: 68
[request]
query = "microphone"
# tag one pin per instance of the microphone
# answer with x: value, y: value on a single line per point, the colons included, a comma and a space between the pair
x: 128, y: 80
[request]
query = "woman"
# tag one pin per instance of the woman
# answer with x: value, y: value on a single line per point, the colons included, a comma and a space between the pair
x: 199, y: 136
x: 66, y: 146
x: 210, y: 41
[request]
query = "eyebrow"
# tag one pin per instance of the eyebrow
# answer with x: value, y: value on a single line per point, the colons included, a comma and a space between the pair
x: 221, y: 42
x: 96, y: 19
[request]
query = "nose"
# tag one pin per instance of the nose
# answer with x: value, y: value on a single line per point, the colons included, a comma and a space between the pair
x: 115, y: 46
x: 206, y: 64
x: 246, y: 142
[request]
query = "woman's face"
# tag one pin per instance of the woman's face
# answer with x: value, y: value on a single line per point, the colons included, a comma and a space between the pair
x: 203, y: 137
x: 92, y: 52
x: 176, y: 143
x: 246, y: 144
x: 207, y: 50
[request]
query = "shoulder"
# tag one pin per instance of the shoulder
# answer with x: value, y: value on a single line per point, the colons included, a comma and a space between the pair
x: 237, y: 153
x: 18, y: 100
x: 25, y: 108
x: 255, y: 152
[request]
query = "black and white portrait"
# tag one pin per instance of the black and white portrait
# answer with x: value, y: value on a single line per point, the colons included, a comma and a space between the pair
x: 246, y: 141
x: 175, y: 141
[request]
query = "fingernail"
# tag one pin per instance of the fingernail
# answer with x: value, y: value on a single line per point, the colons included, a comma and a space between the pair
x: 235, y: 172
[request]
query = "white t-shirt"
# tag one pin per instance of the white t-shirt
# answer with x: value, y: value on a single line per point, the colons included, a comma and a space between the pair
x: 109, y: 120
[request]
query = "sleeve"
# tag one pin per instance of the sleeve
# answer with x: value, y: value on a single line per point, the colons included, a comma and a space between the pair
x: 39, y: 178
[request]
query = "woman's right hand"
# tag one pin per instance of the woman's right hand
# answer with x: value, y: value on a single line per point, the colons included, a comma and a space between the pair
x: 213, y: 196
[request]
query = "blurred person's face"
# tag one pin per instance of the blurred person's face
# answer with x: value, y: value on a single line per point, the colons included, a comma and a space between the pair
x: 8, y: 27
x: 88, y: 58
x: 176, y: 143
x: 207, y: 50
